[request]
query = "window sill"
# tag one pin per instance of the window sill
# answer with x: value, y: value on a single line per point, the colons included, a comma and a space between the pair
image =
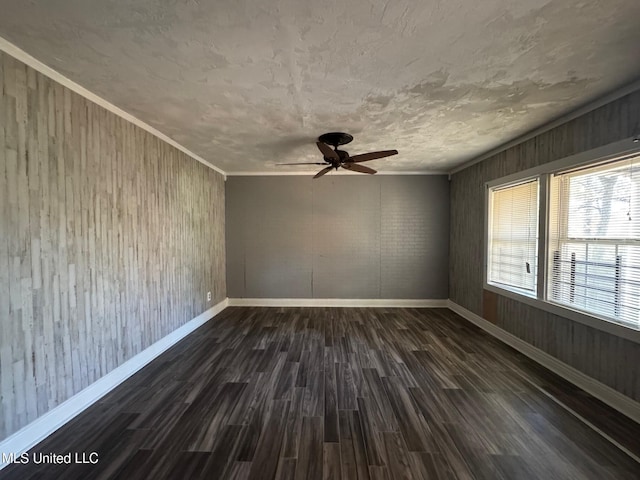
x: 517, y: 291
x: 608, y: 326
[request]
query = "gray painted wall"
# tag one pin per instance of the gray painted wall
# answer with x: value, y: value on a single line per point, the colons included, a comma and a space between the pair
x: 341, y: 236
x: 610, y: 359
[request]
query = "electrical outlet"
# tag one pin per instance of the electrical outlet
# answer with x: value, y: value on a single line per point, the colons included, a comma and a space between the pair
x: 208, y: 296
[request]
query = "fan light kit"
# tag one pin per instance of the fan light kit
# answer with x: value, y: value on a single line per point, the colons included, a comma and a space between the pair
x: 334, y: 158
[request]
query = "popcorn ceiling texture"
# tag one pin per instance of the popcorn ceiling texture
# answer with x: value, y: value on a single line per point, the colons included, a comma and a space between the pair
x: 246, y: 84
x: 608, y: 358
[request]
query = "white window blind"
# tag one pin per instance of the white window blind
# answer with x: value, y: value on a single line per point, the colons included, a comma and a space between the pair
x: 513, y: 237
x: 594, y: 240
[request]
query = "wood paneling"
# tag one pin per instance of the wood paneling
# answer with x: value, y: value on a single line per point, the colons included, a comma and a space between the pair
x: 606, y: 358
x: 610, y: 359
x: 109, y: 240
x: 427, y: 395
x: 489, y: 305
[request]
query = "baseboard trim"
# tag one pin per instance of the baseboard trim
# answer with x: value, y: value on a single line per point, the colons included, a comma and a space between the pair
x: 608, y: 395
x: 42, y: 427
x: 335, y: 302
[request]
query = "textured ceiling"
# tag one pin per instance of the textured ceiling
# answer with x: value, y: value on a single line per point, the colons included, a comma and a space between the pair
x: 248, y: 83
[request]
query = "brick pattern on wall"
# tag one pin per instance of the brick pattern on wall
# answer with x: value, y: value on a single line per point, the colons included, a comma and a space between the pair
x: 414, y: 237
x: 347, y: 236
x: 591, y: 351
x: 109, y: 241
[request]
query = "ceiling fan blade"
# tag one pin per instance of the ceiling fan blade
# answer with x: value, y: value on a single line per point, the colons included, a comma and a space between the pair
x: 365, y: 157
x: 303, y: 163
x: 322, y: 172
x: 358, y: 168
x: 327, y: 151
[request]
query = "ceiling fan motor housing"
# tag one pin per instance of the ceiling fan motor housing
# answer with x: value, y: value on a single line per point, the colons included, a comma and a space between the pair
x: 334, y: 158
x: 342, y: 154
x: 335, y: 138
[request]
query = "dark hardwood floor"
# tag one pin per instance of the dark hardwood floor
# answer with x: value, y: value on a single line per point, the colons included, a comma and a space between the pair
x: 352, y: 393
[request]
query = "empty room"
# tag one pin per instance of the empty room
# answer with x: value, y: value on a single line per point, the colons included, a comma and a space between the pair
x: 320, y: 240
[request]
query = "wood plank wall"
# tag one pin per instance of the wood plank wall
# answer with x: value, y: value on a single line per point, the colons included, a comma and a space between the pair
x: 607, y: 358
x: 109, y: 240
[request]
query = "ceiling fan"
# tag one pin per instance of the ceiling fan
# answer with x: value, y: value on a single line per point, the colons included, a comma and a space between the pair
x: 334, y: 159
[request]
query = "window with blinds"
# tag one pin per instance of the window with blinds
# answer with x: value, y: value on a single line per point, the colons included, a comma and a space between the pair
x: 513, y: 237
x: 594, y: 240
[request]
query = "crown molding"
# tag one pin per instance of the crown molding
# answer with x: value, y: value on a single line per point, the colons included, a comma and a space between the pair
x: 19, y: 54
x: 567, y: 117
x: 339, y: 172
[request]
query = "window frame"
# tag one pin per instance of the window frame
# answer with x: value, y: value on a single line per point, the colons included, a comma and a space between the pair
x: 489, y: 203
x: 611, y: 152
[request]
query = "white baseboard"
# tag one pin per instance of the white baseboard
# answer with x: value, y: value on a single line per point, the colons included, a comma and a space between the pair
x: 608, y: 395
x: 335, y: 302
x: 42, y: 427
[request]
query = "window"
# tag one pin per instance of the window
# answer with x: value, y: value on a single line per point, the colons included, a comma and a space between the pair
x: 513, y: 236
x: 594, y: 240
x: 565, y: 237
